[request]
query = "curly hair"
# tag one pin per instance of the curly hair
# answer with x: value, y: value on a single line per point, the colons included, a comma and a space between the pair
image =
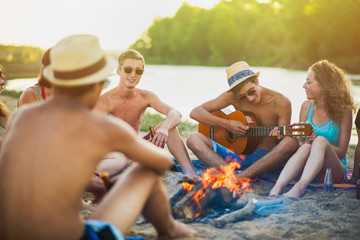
x: 335, y: 89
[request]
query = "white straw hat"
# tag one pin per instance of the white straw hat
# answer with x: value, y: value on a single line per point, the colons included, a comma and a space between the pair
x: 238, y: 73
x: 78, y: 60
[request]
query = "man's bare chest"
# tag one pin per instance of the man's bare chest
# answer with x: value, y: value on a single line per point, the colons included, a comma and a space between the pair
x: 130, y: 111
x: 264, y: 115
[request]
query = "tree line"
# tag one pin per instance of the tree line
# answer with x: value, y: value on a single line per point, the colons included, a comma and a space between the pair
x: 20, y: 61
x: 282, y: 33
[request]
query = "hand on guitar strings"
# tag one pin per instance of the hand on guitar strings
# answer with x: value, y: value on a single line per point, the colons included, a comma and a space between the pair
x: 237, y: 127
x: 276, y: 133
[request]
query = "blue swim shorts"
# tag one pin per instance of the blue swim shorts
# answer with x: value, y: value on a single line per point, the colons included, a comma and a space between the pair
x: 244, y: 160
x: 99, y: 230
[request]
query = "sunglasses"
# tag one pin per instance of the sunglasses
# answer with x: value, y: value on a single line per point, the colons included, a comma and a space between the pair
x: 250, y: 93
x: 129, y: 70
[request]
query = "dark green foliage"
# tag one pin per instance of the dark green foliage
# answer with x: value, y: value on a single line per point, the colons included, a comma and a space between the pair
x: 153, y: 119
x: 21, y: 70
x: 285, y: 33
x: 12, y: 93
x: 20, y: 61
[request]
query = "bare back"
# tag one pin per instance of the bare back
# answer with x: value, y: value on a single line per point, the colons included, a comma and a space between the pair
x: 47, y: 159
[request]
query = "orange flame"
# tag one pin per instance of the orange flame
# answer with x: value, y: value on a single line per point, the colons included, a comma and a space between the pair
x: 187, y: 186
x: 217, y: 178
x: 198, y: 195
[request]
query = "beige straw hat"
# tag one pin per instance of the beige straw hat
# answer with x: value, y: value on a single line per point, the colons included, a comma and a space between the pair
x: 239, y: 72
x: 78, y: 60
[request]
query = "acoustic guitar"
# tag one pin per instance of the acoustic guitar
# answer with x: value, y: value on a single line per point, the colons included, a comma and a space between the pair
x: 247, y: 144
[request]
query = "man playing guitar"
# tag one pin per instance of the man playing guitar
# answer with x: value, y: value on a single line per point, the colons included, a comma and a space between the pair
x: 270, y: 109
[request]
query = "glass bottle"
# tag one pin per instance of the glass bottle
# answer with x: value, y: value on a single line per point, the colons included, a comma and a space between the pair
x: 328, y: 181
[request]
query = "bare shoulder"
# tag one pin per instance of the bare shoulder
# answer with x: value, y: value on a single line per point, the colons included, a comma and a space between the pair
x: 27, y: 97
x: 104, y: 104
x: 149, y: 98
x: 303, y: 110
x: 109, y: 93
x: 224, y: 99
x: 305, y: 105
x: 280, y: 100
x: 146, y: 94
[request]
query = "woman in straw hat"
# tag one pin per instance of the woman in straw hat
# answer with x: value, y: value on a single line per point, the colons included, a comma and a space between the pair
x: 329, y: 110
x: 74, y: 140
x: 268, y: 107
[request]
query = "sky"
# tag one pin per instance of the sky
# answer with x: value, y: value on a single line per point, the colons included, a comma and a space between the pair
x: 117, y: 23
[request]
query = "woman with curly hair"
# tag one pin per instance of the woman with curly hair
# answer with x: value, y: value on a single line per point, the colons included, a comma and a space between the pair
x: 329, y: 110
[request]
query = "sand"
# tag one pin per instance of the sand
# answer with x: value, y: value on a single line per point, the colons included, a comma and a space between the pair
x: 317, y: 215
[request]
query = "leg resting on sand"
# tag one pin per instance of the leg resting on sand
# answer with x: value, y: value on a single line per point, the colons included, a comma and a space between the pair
x: 140, y: 190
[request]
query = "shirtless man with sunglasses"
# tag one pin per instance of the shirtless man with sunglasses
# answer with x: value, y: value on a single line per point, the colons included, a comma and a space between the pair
x: 270, y: 109
x: 129, y: 103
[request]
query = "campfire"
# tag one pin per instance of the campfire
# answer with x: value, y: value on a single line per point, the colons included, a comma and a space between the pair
x: 219, y: 198
x: 218, y: 185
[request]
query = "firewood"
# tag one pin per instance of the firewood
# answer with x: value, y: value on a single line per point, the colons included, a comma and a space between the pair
x: 237, y: 215
x: 187, y: 207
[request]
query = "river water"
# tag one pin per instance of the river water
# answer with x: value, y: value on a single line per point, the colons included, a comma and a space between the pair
x: 185, y: 87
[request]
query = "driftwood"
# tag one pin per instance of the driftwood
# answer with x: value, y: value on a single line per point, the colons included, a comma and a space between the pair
x: 187, y: 207
x: 237, y: 215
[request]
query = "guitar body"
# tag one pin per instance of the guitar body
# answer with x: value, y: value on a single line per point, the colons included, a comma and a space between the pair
x: 239, y: 145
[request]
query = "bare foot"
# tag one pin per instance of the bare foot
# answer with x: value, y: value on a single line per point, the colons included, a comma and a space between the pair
x: 274, y: 192
x: 293, y: 193
x: 296, y: 191
x: 179, y: 230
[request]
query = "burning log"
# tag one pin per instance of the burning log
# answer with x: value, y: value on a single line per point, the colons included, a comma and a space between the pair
x: 243, y: 213
x: 192, y: 203
x: 196, y: 197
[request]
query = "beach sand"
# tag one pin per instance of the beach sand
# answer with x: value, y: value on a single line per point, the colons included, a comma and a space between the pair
x: 317, y: 215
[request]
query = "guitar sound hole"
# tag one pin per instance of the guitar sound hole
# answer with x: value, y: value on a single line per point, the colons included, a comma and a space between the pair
x: 231, y: 135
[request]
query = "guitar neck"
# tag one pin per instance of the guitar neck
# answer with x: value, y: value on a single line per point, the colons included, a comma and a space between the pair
x: 263, y: 131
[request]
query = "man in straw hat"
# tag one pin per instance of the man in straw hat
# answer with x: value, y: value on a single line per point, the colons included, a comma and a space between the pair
x: 129, y: 103
x: 270, y: 109
x: 41, y: 187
